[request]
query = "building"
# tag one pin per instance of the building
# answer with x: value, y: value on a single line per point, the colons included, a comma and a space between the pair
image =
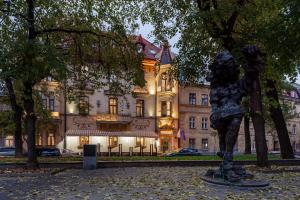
x: 145, y: 121
x: 194, y: 110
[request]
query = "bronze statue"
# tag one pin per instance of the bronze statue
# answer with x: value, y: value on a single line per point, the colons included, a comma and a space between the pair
x: 227, y: 91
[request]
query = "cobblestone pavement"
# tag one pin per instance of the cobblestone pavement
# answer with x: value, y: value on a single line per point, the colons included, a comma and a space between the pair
x: 141, y: 183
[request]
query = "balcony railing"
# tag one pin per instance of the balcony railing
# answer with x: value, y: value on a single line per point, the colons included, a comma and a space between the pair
x: 55, y: 115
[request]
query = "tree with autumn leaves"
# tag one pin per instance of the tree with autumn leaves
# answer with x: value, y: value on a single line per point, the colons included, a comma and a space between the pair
x: 209, y: 26
x: 78, y: 43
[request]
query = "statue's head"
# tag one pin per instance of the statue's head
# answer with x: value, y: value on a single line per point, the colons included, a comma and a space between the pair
x: 224, y: 69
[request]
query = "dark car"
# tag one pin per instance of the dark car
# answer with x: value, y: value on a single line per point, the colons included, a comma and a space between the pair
x: 185, y: 152
x: 7, y: 151
x: 48, y: 152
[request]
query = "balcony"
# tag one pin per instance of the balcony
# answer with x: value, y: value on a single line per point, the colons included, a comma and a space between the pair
x: 166, y: 123
x: 55, y: 115
x: 138, y: 91
x: 166, y: 92
x: 113, y: 119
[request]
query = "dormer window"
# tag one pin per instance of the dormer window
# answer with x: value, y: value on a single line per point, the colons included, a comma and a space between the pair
x: 140, y: 47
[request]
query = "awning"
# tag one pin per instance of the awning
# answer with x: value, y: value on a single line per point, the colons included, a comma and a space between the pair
x: 149, y: 134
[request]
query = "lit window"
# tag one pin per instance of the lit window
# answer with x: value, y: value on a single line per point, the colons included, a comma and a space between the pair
x: 140, y: 141
x: 205, y: 144
x: 192, y: 143
x: 113, y: 142
x: 166, y: 109
x: 83, y: 140
x: 38, y: 139
x: 51, y: 141
x: 192, y: 98
x: 204, y: 99
x: 165, y: 83
x: 204, y: 123
x: 113, y: 106
x: 9, y: 141
x: 140, y: 108
x: 192, y: 123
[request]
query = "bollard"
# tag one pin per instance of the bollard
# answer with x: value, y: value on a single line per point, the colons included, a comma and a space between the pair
x: 120, y: 149
x: 89, y: 156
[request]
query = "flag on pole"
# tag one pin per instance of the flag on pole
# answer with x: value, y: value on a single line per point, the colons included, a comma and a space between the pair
x: 182, y: 134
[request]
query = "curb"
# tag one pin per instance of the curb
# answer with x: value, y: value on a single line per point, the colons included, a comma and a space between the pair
x: 169, y: 163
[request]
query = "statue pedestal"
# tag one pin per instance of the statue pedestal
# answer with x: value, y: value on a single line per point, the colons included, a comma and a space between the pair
x: 213, y: 176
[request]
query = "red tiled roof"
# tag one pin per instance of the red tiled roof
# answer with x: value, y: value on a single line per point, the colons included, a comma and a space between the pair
x: 150, y: 50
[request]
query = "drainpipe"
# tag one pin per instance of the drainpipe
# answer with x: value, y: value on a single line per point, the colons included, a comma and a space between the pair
x: 178, y: 111
x: 65, y: 118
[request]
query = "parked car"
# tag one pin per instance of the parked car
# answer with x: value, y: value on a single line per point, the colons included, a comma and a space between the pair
x: 68, y: 153
x: 7, y: 151
x: 185, y: 152
x: 48, y: 152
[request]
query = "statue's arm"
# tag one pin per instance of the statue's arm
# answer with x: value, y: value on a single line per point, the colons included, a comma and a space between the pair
x: 254, y: 66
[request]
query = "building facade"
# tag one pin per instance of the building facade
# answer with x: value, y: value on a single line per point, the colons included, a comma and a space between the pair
x: 194, y: 111
x: 144, y: 121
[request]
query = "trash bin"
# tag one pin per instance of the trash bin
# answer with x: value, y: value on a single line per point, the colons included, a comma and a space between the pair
x: 89, y: 156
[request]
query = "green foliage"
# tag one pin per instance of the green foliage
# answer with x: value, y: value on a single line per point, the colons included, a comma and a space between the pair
x: 7, y: 122
x: 86, y: 42
x: 206, y: 27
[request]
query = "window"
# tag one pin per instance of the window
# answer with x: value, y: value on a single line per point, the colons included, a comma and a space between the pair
x: 294, y: 129
x: 276, y: 146
x: 164, y: 83
x: 192, y: 143
x: 204, y: 123
x: 192, y: 98
x: 9, y: 141
x: 113, y: 106
x: 51, y: 103
x: 192, y: 123
x: 38, y: 139
x: 140, y: 141
x: 44, y: 102
x: 98, y: 103
x: 83, y: 105
x: 204, y: 99
x: 51, y: 141
x: 113, y: 141
x: 166, y: 109
x: 205, y: 144
x: 83, y: 140
x: 140, y: 108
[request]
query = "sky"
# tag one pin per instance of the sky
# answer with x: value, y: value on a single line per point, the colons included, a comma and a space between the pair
x: 145, y: 31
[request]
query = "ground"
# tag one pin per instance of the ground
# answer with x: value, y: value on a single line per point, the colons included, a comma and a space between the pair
x: 141, y: 183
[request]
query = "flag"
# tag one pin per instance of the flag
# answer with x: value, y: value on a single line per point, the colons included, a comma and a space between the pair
x: 178, y: 133
x: 182, y: 134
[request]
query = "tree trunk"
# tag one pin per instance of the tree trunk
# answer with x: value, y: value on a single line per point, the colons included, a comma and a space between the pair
x: 30, y: 120
x: 17, y: 117
x: 247, y: 135
x: 28, y: 101
x: 277, y: 116
x: 259, y: 125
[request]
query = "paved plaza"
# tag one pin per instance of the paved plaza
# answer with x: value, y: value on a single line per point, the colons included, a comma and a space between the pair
x: 140, y: 183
